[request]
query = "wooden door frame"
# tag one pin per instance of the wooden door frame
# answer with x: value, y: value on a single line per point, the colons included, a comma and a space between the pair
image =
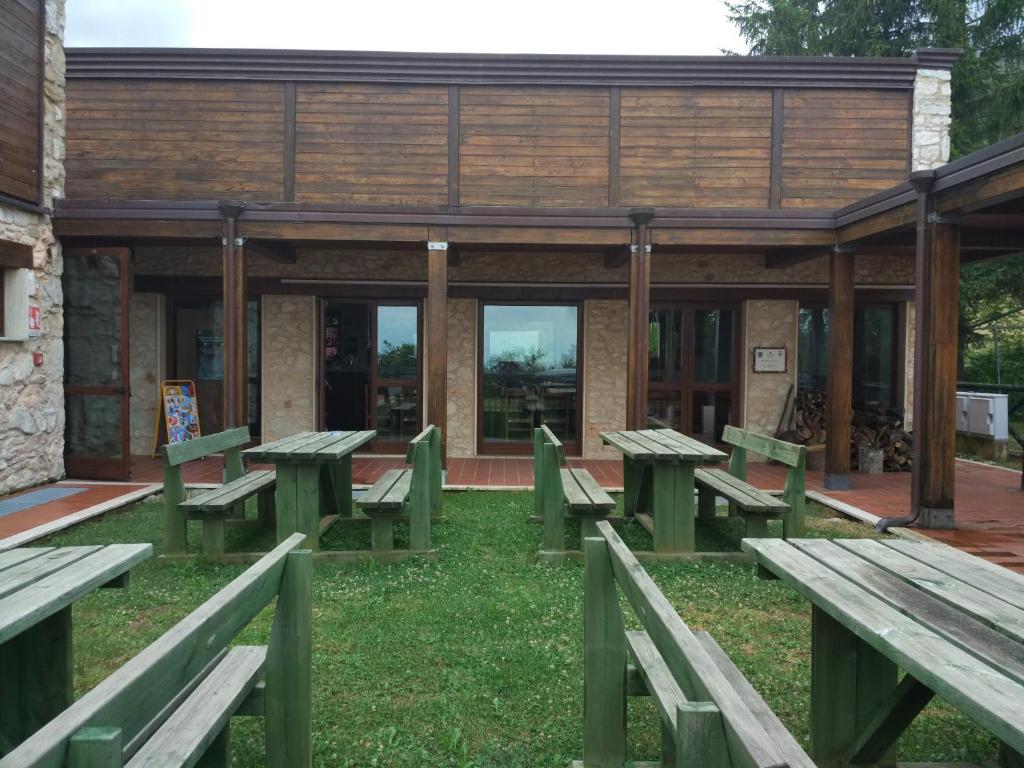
x: 572, y: 447
x: 93, y: 467
x: 686, y: 385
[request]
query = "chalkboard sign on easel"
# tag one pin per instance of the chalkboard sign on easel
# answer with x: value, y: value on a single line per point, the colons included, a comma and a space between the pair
x: 177, y: 417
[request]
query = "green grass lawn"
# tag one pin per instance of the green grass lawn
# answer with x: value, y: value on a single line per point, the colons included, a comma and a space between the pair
x: 476, y: 659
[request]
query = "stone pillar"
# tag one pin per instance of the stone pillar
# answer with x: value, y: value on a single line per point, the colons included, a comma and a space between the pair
x: 932, y: 114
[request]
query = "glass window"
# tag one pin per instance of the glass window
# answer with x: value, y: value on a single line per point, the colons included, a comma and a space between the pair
x: 529, y: 372
x: 874, y: 345
x: 397, y: 348
x: 665, y: 347
x: 712, y: 349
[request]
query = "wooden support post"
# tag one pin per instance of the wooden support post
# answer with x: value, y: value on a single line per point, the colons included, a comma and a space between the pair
x: 839, y: 402
x: 674, y: 507
x: 935, y: 367
x: 639, y: 309
x: 95, y: 747
x: 289, y: 690
x: 850, y: 682
x: 604, y: 662
x: 552, y: 499
x: 234, y: 320
x: 175, y: 525
x: 437, y: 341
x: 700, y: 736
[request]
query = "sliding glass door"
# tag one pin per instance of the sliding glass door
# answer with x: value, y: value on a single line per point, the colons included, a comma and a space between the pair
x: 530, y: 371
x: 692, y: 368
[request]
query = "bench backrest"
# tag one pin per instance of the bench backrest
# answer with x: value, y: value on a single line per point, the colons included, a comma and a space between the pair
x: 228, y: 442
x: 609, y: 563
x: 135, y: 698
x: 424, y: 454
x: 548, y: 457
x: 793, y: 456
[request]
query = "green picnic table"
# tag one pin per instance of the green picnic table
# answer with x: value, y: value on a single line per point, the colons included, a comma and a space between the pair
x: 38, y: 586
x: 314, y: 479
x: 954, y: 623
x: 658, y: 480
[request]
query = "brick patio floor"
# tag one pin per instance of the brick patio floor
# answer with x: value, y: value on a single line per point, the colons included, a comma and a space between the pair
x: 989, y: 502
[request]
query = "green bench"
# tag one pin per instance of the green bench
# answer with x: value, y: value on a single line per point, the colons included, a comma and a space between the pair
x: 710, y: 714
x: 171, y: 705
x: 214, y: 506
x: 755, y: 506
x: 414, y: 492
x: 562, y: 492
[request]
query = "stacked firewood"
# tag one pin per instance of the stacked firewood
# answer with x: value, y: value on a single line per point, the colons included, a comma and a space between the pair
x: 880, y: 428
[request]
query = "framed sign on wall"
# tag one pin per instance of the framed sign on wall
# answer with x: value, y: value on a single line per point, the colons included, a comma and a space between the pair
x: 769, y: 359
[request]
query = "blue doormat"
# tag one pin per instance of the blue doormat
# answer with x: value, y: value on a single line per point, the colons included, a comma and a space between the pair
x: 35, y: 498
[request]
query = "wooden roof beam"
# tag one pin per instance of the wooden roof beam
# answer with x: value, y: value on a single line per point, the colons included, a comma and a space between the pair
x: 282, y: 253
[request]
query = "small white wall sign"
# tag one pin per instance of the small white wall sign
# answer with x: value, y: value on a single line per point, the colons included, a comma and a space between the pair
x: 769, y: 359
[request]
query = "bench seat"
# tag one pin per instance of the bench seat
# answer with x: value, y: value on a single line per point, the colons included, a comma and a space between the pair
x: 583, y: 495
x: 388, y: 495
x: 224, y: 498
x: 740, y: 493
x: 185, y: 737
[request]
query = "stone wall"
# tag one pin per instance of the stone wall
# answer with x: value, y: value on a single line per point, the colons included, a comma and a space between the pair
x: 932, y: 112
x: 605, y: 339
x: 146, y: 353
x: 462, y: 377
x: 31, y: 396
x: 288, y: 350
x: 768, y: 324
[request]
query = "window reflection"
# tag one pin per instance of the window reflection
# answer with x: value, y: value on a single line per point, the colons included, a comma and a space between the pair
x: 529, y: 371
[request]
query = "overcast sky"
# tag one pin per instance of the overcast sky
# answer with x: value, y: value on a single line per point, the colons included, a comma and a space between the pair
x: 676, y: 27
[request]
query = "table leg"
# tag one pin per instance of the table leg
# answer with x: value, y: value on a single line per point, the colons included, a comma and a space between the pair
x: 636, y: 486
x: 38, y: 678
x: 850, y: 682
x: 674, y: 507
x: 298, y: 502
x: 341, y: 471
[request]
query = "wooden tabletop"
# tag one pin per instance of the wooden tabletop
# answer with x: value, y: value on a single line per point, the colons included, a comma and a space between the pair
x: 953, y: 621
x: 310, y: 446
x: 36, y: 582
x: 662, y: 445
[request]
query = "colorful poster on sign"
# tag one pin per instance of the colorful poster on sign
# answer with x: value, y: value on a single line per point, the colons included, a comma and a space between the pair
x: 35, y: 320
x: 180, y: 410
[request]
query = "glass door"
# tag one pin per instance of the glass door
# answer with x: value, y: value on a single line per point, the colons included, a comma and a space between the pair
x: 529, y: 376
x: 96, y: 434
x: 371, y: 370
x: 691, y: 369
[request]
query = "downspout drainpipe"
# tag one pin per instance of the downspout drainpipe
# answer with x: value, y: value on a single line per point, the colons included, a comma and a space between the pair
x: 922, y: 182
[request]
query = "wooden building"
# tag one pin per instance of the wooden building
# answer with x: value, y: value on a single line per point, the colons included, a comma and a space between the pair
x: 345, y: 240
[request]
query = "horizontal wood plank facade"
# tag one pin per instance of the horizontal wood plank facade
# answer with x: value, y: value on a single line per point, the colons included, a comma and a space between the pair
x: 21, y: 62
x: 538, y: 146
x: 695, y: 148
x: 366, y: 143
x: 175, y: 141
x: 840, y: 146
x: 533, y: 147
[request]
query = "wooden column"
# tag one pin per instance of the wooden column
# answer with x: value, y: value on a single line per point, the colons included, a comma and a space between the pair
x: 639, y: 309
x: 437, y: 341
x: 235, y: 325
x: 937, y: 299
x: 840, y: 369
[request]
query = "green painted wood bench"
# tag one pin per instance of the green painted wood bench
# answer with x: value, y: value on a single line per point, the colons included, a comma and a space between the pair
x: 171, y: 705
x: 561, y: 492
x: 214, y: 506
x: 413, y: 492
x: 755, y: 506
x: 710, y: 714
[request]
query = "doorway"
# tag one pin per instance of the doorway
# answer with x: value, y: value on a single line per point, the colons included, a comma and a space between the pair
x: 96, y: 434
x: 371, y: 370
x: 693, y: 368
